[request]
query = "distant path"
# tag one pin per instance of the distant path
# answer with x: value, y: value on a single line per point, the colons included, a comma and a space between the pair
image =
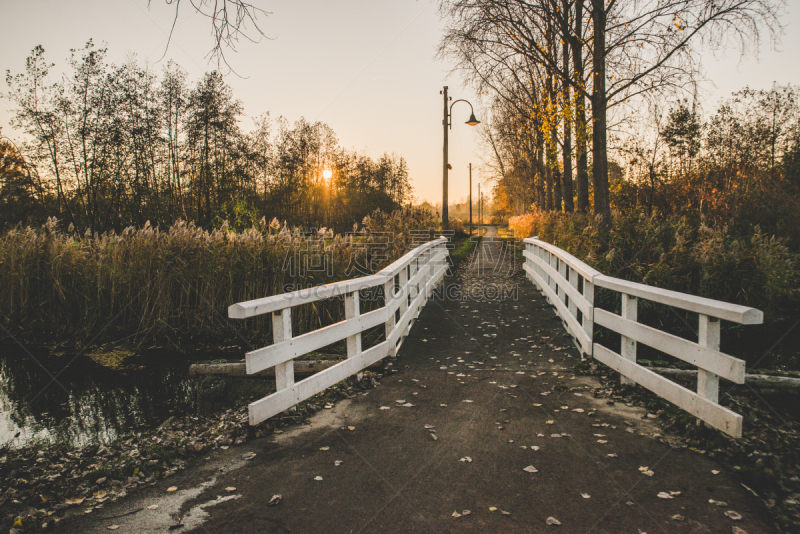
x: 493, y: 378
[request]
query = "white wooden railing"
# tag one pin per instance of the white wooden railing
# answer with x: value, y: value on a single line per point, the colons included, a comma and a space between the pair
x: 569, y: 285
x: 407, y: 285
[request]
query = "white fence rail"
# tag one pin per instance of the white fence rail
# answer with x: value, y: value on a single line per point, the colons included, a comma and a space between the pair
x: 407, y: 284
x: 569, y: 285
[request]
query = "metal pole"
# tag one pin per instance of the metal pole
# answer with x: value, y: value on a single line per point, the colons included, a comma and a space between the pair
x: 480, y: 215
x: 445, y: 164
x: 470, y: 199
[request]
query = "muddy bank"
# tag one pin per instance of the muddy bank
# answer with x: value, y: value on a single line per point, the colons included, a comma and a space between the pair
x: 43, y: 485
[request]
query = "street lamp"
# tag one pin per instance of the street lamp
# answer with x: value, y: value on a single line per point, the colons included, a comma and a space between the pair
x: 446, y: 123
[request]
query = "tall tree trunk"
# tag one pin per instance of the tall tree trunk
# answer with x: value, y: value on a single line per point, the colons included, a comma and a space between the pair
x: 566, y: 175
x: 581, y: 163
x: 602, y: 207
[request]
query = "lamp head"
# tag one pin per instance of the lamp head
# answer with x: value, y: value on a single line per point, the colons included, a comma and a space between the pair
x: 472, y: 120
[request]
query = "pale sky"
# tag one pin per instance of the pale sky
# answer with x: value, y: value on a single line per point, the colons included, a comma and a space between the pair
x: 365, y: 67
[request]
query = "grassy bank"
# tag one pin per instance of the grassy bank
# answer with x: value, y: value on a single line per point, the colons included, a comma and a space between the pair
x: 174, y: 285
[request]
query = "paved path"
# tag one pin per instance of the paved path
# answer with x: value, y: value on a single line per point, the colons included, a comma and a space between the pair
x: 493, y: 378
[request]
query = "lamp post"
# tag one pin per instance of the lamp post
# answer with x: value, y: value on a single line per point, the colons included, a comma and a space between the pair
x: 470, y: 199
x: 446, y: 124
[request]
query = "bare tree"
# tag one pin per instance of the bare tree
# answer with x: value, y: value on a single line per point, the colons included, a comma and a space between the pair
x: 230, y: 21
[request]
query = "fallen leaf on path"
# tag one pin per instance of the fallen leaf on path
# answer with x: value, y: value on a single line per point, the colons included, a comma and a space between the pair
x: 585, y: 495
x: 737, y: 530
x: 504, y: 512
x: 152, y: 507
x: 536, y: 404
x: 172, y: 488
x: 434, y: 437
x: 230, y: 488
x: 274, y: 500
x: 466, y: 459
x: 714, y: 472
x: 612, y: 455
x: 550, y: 422
x: 337, y: 463
x: 324, y: 448
x: 351, y: 428
x: 112, y: 527
x: 317, y: 477
x: 531, y: 469
x: 677, y: 517
x: 493, y: 508
x: 664, y: 495
x: 456, y: 514
x: 385, y: 408
x: 77, y: 500
x: 552, y: 521
x: 736, y: 516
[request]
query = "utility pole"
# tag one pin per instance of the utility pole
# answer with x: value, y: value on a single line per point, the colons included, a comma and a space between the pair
x: 470, y: 199
x: 480, y: 215
x: 445, y: 165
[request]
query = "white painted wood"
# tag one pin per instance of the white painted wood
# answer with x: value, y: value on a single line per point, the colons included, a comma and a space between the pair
x: 573, y: 282
x: 286, y: 398
x: 352, y: 310
x: 295, y: 347
x: 282, y: 333
x: 572, y: 323
x: 711, y: 360
x: 252, y: 308
x: 578, y: 265
x: 588, y: 317
x: 566, y: 288
x: 715, y: 415
x: 714, y: 308
x: 630, y: 312
x: 709, y: 337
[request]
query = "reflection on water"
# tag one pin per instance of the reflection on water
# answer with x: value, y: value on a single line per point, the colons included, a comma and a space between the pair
x: 99, y: 403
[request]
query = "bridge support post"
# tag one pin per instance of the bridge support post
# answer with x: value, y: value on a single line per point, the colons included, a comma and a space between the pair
x: 352, y: 309
x: 588, y: 318
x: 629, y: 311
x: 709, y: 336
x: 388, y: 296
x: 282, y: 331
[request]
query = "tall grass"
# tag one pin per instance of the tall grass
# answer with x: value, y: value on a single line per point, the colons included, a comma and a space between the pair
x: 149, y: 284
x: 751, y: 269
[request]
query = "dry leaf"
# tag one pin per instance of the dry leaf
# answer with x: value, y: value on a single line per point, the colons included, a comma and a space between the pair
x: 172, y: 488
x: 550, y: 422
x: 351, y: 428
x: 664, y: 495
x: 456, y: 514
x: 585, y: 495
x: 337, y: 463
x: 230, y: 488
x: 552, y: 521
x: 317, y: 477
x: 324, y: 448
x: 492, y: 508
x: 531, y: 469
x: 152, y: 507
x: 736, y: 516
x: 77, y: 500
x: 504, y: 512
x: 112, y: 527
x: 434, y: 437
x: 274, y: 500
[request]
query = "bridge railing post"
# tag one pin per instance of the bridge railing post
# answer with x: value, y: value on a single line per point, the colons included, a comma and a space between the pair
x: 388, y: 292
x: 588, y: 319
x: 628, y: 349
x: 282, y: 331
x: 352, y: 310
x: 708, y: 336
x: 562, y: 270
x: 573, y: 280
